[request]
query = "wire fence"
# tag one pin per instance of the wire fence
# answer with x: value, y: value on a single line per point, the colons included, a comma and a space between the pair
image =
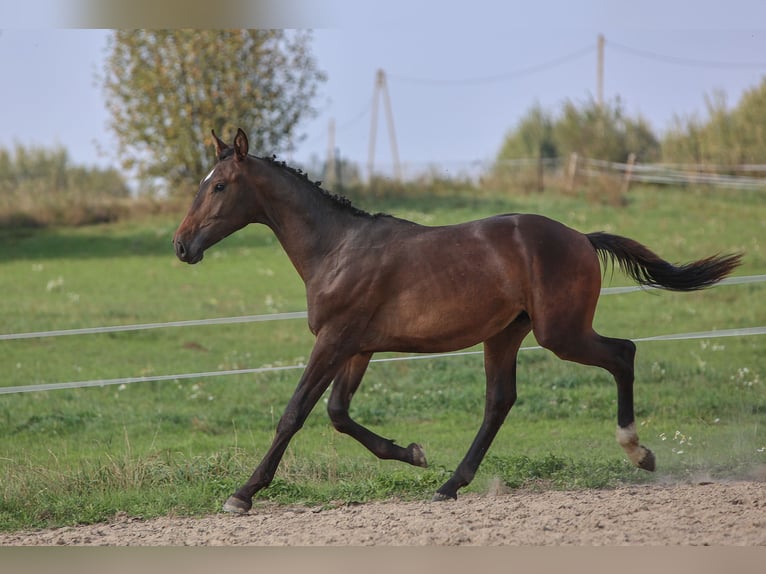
x: 748, y: 176
x: 279, y: 316
x: 738, y: 332
x: 567, y: 173
x: 741, y: 332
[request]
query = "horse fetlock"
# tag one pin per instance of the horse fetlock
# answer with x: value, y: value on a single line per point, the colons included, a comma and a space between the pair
x: 638, y: 454
x: 234, y: 505
x: 418, y: 456
x: 448, y: 490
x: 441, y: 497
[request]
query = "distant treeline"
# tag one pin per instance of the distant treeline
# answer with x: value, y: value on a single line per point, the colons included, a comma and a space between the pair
x: 41, y: 186
x: 724, y: 137
x: 50, y: 171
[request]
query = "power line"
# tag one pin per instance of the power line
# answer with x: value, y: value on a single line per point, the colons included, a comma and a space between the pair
x: 349, y: 122
x: 497, y: 78
x: 340, y: 127
x: 738, y: 65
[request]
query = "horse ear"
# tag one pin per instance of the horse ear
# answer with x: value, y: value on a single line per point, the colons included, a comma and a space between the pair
x: 220, y: 146
x: 240, y: 144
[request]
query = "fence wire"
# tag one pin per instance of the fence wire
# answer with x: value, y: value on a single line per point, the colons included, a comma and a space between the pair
x: 281, y: 316
x: 741, y: 332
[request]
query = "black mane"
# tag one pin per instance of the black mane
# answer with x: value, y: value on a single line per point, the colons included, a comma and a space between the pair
x: 339, y: 200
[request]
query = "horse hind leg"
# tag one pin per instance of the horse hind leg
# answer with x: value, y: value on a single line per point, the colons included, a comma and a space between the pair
x: 343, y: 388
x: 562, y: 312
x: 622, y: 355
x: 616, y: 356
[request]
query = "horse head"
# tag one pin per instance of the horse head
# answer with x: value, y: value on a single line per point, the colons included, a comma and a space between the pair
x: 222, y: 203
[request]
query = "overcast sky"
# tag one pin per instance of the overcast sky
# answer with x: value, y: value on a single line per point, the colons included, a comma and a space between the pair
x: 460, y: 75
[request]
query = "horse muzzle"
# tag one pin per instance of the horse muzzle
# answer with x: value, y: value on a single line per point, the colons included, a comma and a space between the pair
x: 186, y: 252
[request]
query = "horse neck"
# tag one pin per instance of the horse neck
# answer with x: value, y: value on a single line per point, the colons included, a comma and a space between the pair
x: 308, y: 224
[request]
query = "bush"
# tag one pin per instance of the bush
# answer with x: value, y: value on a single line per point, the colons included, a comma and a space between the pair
x: 40, y: 187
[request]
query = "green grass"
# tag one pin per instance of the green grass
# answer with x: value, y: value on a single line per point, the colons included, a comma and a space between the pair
x: 182, y: 446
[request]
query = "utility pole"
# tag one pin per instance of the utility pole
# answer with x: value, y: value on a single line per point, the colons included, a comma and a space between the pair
x: 381, y: 87
x: 373, y: 130
x: 600, y: 72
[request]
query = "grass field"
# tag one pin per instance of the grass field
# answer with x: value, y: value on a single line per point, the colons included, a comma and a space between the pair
x: 182, y: 446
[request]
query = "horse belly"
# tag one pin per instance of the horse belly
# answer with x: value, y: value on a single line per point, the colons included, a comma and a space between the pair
x: 445, y: 317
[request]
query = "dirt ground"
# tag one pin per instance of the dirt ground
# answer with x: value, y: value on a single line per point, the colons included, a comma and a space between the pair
x: 721, y: 513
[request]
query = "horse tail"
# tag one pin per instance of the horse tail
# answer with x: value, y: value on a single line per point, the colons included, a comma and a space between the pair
x: 647, y: 268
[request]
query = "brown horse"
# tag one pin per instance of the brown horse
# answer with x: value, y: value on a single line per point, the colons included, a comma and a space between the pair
x: 379, y: 283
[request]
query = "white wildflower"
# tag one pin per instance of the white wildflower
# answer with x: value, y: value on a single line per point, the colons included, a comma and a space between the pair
x: 54, y: 284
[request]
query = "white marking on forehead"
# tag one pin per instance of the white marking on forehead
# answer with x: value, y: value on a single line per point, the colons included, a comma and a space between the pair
x: 208, y: 176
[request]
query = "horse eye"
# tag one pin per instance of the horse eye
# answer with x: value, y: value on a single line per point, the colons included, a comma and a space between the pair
x: 219, y: 186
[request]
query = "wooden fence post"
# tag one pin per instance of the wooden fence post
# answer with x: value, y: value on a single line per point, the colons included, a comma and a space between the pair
x: 572, y: 172
x: 628, y: 173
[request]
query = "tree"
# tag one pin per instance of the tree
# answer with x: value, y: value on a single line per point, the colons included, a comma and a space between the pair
x: 591, y: 130
x: 166, y: 89
x: 604, y: 132
x: 47, y: 172
x: 726, y: 137
x: 532, y: 137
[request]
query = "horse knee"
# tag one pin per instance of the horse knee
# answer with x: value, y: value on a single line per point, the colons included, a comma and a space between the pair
x: 499, y: 403
x: 338, y: 416
x: 290, y: 422
x: 506, y: 401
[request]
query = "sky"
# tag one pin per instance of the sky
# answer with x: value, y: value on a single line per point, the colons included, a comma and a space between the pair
x: 459, y: 75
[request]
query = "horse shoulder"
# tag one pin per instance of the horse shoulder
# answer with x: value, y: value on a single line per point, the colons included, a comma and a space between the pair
x: 350, y: 277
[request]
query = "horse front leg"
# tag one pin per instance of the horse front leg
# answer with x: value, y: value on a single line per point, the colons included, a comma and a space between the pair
x: 320, y: 371
x: 343, y: 388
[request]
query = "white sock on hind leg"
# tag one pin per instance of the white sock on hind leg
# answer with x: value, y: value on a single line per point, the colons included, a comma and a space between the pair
x: 628, y: 440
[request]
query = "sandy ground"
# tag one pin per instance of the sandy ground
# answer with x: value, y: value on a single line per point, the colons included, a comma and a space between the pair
x: 723, y: 513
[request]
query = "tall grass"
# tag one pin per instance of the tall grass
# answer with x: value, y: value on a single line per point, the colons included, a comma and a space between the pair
x: 182, y: 446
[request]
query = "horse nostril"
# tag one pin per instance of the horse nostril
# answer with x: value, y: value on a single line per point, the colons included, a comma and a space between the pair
x: 180, y: 249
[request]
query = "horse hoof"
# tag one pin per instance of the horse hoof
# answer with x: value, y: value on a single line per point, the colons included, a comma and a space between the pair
x: 418, y: 456
x: 648, y: 462
x: 439, y: 497
x: 236, y: 505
